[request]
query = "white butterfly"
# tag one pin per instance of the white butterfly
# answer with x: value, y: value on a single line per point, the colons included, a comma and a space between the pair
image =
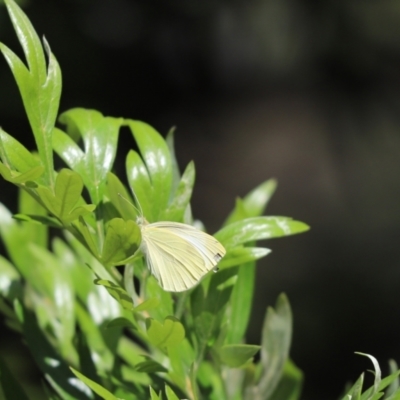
x: 178, y: 255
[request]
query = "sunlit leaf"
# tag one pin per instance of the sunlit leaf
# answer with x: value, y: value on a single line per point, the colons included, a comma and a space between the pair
x: 258, y: 228
x: 40, y: 85
x: 242, y: 255
x: 150, y: 173
x: 99, y: 135
x: 100, y: 390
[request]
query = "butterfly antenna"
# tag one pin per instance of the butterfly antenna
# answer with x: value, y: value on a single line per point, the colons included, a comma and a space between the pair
x: 138, y: 210
x: 139, y: 207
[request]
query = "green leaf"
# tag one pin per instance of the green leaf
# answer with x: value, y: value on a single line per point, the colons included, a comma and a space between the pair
x: 44, y: 220
x: 242, y: 255
x: 181, y: 359
x: 276, y: 338
x: 170, y: 394
x: 45, y: 274
x: 86, y: 363
x: 20, y: 165
x: 170, y: 333
x: 120, y: 322
x: 58, y: 309
x: 290, y: 385
x: 241, y: 303
x: 10, y: 388
x: 395, y: 384
x: 355, y: 391
x: 102, y: 342
x: 254, y: 204
x: 99, y: 135
x: 148, y: 304
x: 153, y: 290
x: 235, y: 355
x: 150, y: 174
x: 376, y: 391
x: 176, y: 208
x: 40, y: 86
x: 257, y: 228
x: 121, y: 242
x: 120, y: 197
x: 150, y: 366
x: 28, y: 205
x: 49, y: 362
x: 176, y: 176
x: 154, y: 395
x: 117, y: 292
x: 209, y: 320
x: 368, y: 395
x: 211, y: 381
x: 26, y: 178
x: 100, y: 390
x: 67, y: 193
x: 83, y: 232
x: 9, y: 278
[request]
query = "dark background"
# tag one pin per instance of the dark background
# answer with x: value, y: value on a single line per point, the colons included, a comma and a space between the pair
x: 303, y: 91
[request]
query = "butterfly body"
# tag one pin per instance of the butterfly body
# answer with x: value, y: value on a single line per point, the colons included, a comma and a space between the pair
x: 178, y: 255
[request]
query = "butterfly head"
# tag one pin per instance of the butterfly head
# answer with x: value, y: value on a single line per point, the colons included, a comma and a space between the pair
x: 140, y: 220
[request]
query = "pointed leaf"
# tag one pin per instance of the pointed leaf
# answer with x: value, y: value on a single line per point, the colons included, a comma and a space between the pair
x: 99, y: 135
x: 242, y: 255
x: 182, y: 196
x: 354, y: 393
x: 120, y: 197
x: 276, y: 338
x: 170, y: 394
x: 39, y: 219
x: 100, y: 390
x: 40, y: 89
x: 370, y: 393
x: 153, y: 394
x: 235, y: 355
x: 150, y: 175
x: 16, y: 157
x: 257, y: 228
x: 176, y: 176
x: 254, y: 204
x: 290, y: 385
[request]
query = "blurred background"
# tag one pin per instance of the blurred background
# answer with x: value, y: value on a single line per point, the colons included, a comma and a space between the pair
x: 303, y: 91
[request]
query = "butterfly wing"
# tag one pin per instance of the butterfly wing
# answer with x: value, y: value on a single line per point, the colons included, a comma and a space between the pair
x: 179, y: 255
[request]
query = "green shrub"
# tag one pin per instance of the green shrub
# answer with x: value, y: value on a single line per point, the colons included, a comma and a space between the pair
x: 94, y: 318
